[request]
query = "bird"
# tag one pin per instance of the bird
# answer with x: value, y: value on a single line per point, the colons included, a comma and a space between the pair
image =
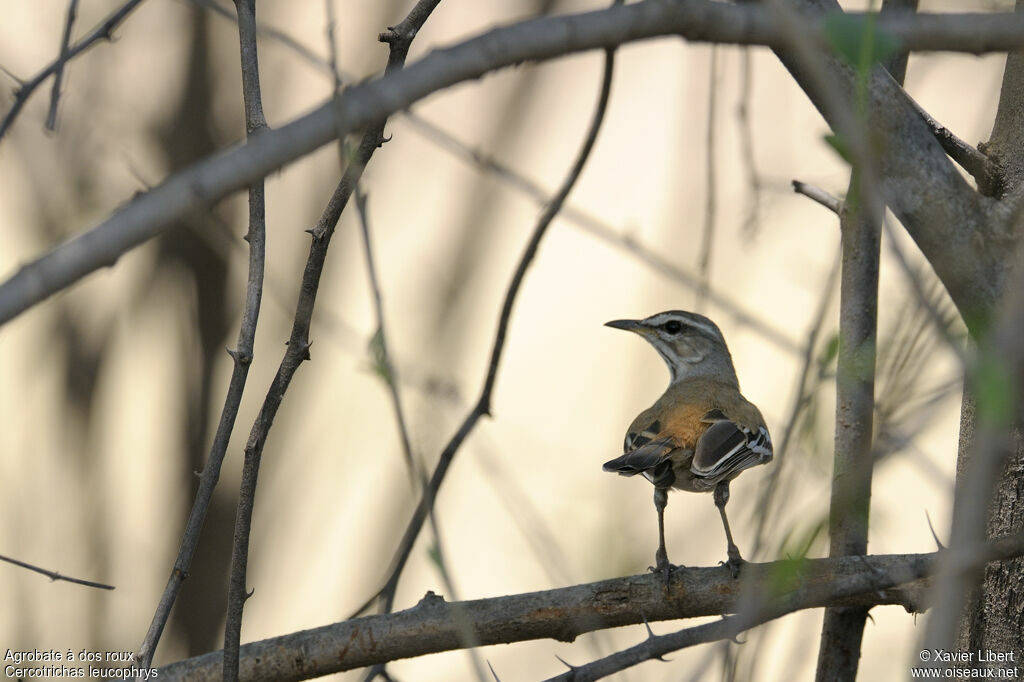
x: 701, y: 433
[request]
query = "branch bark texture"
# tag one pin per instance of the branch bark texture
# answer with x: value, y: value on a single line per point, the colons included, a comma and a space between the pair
x: 561, y: 614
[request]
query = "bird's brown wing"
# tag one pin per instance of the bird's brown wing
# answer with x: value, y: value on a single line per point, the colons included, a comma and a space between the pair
x: 726, y: 448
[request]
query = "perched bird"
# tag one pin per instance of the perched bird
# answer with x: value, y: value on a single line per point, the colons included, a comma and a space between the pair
x: 701, y: 433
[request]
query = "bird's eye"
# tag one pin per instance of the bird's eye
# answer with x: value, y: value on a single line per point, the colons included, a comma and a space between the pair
x: 673, y: 326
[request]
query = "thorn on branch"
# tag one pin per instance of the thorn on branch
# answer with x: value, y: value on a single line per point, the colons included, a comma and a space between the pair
x: 938, y: 543
x: 430, y: 599
x: 566, y: 663
x: 248, y: 595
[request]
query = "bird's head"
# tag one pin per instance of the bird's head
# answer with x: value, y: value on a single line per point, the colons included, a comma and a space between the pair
x: 690, y: 344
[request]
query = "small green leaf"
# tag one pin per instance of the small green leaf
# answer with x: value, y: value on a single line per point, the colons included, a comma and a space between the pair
x: 837, y: 143
x: 995, y: 391
x: 856, y: 41
x: 376, y: 348
x: 435, y: 557
x: 829, y: 352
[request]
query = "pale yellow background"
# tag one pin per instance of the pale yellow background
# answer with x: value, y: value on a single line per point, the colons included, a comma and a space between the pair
x: 103, y: 500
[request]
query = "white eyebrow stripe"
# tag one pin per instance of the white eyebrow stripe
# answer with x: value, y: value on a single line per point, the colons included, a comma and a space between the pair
x: 710, y: 330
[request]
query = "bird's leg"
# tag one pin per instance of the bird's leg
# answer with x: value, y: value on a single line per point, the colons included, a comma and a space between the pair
x: 661, y: 564
x: 721, y: 498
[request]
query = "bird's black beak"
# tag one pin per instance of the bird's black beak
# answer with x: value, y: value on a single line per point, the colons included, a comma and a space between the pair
x: 628, y: 325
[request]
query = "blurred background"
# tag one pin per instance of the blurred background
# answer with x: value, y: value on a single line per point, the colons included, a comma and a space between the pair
x: 110, y: 392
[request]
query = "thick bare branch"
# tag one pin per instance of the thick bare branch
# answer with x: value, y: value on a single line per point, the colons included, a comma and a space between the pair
x: 561, y: 614
x: 534, y: 40
x: 761, y: 604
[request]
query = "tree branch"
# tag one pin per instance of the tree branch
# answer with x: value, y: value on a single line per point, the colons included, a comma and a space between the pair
x: 54, y: 575
x: 561, y: 614
x: 398, y: 38
x: 104, y: 31
x: 62, y: 58
x: 540, y: 39
x: 829, y: 201
x: 483, y: 404
x: 242, y: 356
x: 760, y: 604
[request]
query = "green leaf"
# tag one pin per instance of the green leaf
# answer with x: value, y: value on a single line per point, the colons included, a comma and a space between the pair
x: 856, y: 41
x: 837, y: 143
x: 995, y: 391
x: 376, y: 348
x: 829, y: 352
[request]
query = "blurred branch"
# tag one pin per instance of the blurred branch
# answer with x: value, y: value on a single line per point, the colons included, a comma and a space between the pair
x: 564, y: 613
x: 384, y: 368
x: 710, y: 207
x: 58, y: 78
x: 53, y: 575
x: 743, y: 121
x: 538, y: 39
x: 242, y: 356
x: 995, y: 378
x: 801, y: 399
x: 829, y: 201
x: 104, y: 31
x: 399, y: 39
x: 594, y: 226
x: 483, y: 404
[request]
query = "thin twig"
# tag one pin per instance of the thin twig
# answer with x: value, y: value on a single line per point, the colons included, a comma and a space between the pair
x: 69, y: 22
x: 332, y: 45
x: 385, y: 368
x: 984, y: 171
x: 104, y: 31
x: 829, y: 201
x: 801, y: 399
x: 597, y: 227
x: 242, y: 356
x: 708, y: 235
x: 255, y: 124
x: 398, y: 38
x: 53, y: 575
x: 746, y: 127
x: 587, y: 222
x: 934, y: 314
x: 382, y: 357
x: 483, y: 404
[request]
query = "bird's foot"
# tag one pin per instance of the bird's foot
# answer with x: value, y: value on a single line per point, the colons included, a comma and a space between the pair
x: 664, y: 568
x: 733, y: 564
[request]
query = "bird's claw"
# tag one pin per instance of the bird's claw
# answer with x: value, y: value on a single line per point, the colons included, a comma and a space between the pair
x: 733, y: 564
